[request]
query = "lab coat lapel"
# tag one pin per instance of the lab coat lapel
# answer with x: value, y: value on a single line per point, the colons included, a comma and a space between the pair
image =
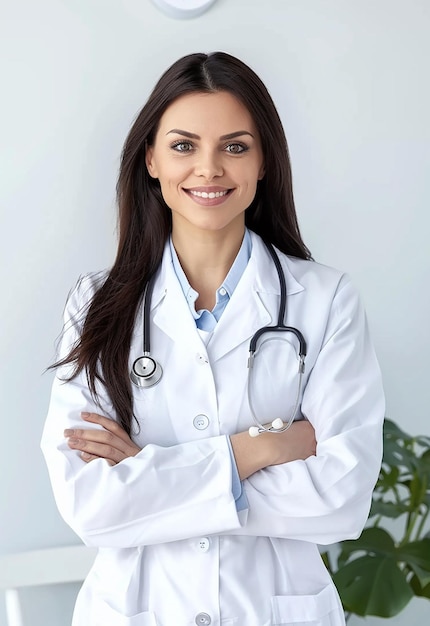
x: 244, y: 314
x: 254, y: 303
x: 172, y: 314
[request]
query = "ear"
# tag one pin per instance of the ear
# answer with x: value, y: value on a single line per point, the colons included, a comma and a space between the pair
x: 262, y: 172
x: 150, y: 163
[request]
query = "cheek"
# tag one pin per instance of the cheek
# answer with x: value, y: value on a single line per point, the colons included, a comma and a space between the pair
x: 250, y: 184
x: 173, y: 176
x: 170, y: 185
x: 249, y: 177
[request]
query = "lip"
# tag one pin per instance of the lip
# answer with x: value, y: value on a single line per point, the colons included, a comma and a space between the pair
x: 208, y: 190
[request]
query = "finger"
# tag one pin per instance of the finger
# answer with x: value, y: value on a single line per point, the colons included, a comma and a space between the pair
x: 107, y: 423
x: 103, y: 437
x: 91, y: 457
x: 85, y: 456
x: 98, y: 436
x: 111, y: 426
x: 96, y: 449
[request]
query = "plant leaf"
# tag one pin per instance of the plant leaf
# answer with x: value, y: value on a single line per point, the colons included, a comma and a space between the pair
x: 374, y: 540
x: 422, y: 575
x: 391, y: 430
x: 373, y: 585
x: 423, y: 441
x: 415, y: 553
x: 424, y: 463
x: 418, y: 589
x: 397, y: 455
x: 388, y: 478
x: 388, y: 509
x: 417, y: 487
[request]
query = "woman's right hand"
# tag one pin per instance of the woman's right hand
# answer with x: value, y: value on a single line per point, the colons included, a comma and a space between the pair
x: 255, y: 453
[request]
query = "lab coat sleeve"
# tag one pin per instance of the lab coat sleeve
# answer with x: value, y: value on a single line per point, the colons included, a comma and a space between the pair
x: 162, y: 494
x: 327, y: 497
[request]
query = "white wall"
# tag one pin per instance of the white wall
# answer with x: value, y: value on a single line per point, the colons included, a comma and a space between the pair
x: 350, y: 79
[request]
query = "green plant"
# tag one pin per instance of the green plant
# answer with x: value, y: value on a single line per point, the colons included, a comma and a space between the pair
x: 378, y: 574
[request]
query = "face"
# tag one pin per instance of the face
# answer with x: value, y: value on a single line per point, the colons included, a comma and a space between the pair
x: 208, y: 159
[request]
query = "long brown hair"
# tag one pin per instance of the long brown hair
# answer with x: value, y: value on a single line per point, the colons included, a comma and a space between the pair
x: 145, y: 220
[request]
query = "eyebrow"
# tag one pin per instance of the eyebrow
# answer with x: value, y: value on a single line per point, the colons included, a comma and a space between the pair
x: 186, y: 133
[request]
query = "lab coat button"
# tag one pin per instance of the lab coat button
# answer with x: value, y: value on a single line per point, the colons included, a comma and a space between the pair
x: 203, y: 619
x: 203, y: 544
x: 201, y: 422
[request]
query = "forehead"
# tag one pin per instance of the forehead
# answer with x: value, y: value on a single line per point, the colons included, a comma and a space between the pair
x: 199, y: 112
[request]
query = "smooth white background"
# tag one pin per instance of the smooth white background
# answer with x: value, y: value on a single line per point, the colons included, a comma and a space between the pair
x: 350, y: 82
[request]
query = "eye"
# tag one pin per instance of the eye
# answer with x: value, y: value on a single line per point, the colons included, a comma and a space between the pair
x: 182, y: 146
x: 236, y: 148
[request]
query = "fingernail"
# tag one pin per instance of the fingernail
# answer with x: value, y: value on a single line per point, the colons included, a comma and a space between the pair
x: 85, y: 415
x: 68, y: 432
x: 85, y: 455
x: 73, y: 441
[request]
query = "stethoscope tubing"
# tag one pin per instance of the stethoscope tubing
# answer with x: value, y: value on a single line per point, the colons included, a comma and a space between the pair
x: 146, y: 371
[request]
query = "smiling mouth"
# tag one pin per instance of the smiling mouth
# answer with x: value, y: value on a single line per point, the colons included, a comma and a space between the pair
x: 208, y: 197
x: 210, y: 194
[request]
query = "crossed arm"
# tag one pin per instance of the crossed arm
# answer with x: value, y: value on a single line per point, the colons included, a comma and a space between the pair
x: 251, y: 454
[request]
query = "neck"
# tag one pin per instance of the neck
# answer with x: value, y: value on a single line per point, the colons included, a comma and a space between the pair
x: 206, y: 259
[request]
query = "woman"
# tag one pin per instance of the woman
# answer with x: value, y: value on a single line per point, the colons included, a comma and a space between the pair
x: 198, y: 522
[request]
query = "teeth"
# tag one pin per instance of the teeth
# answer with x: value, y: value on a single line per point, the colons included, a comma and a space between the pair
x: 211, y: 194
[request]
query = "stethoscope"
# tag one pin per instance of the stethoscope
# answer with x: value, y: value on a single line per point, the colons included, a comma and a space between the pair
x: 147, y: 372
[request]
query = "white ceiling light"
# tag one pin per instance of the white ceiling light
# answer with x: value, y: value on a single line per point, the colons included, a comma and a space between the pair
x: 183, y: 8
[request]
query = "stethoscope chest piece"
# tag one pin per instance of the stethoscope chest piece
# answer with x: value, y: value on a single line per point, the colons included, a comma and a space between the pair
x: 145, y: 372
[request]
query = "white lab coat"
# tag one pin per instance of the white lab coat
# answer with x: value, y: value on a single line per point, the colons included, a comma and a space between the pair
x: 173, y: 550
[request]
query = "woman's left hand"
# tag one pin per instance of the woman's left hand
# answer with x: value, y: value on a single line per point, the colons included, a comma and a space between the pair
x: 111, y: 443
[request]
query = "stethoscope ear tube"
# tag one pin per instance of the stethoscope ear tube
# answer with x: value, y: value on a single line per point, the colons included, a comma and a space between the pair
x: 279, y: 328
x: 277, y: 425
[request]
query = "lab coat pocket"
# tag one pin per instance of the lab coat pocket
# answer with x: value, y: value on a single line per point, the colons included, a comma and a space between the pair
x: 321, y: 609
x: 105, y: 615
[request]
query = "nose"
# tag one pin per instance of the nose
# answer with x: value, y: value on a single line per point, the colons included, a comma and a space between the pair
x: 208, y: 165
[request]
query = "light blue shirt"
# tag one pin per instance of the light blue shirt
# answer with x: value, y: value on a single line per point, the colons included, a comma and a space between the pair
x: 207, y: 320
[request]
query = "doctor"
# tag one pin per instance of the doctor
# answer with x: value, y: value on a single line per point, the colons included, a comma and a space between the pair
x: 198, y: 522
